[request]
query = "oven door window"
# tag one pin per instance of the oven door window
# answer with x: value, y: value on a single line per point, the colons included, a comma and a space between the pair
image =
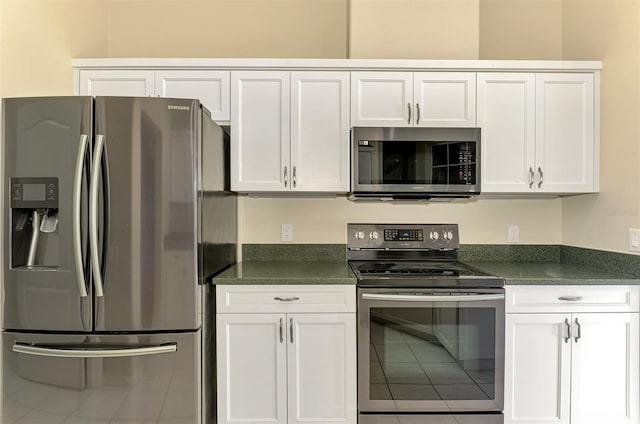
x: 416, y: 162
x: 432, y: 354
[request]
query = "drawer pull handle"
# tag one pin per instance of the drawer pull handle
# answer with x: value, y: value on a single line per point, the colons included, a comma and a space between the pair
x: 566, y: 339
x: 286, y: 299
x: 571, y: 298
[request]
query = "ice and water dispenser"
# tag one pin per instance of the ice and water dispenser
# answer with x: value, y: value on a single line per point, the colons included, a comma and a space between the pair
x: 34, y: 223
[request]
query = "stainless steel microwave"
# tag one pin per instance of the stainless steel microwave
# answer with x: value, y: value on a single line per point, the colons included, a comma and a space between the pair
x: 414, y: 163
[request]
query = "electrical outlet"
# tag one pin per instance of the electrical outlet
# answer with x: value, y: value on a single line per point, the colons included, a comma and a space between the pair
x: 513, y: 235
x: 634, y: 240
x: 287, y: 232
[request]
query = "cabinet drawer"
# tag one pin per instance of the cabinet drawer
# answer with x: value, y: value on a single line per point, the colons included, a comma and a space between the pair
x: 285, y: 298
x: 528, y: 299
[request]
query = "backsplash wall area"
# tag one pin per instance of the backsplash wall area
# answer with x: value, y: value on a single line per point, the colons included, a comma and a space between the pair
x: 482, y: 221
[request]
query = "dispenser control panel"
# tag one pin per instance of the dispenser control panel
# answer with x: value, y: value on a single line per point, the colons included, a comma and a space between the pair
x: 34, y: 193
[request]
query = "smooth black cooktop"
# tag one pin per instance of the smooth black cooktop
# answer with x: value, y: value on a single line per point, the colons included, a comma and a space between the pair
x: 421, y: 274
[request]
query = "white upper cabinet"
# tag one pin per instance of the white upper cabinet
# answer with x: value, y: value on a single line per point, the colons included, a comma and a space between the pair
x: 117, y: 83
x: 290, y: 118
x: 506, y: 116
x: 381, y: 99
x: 320, y: 131
x: 407, y: 99
x: 260, y: 110
x: 210, y: 87
x: 290, y: 131
x: 538, y: 132
x: 565, y: 133
x: 444, y: 99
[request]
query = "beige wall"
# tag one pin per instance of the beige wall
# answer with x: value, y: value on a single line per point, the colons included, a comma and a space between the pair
x: 414, y: 29
x: 608, y: 30
x: 228, y: 28
x: 523, y: 29
x: 324, y: 220
x: 39, y: 38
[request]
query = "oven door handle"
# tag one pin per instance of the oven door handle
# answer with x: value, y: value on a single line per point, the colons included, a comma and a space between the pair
x: 433, y: 298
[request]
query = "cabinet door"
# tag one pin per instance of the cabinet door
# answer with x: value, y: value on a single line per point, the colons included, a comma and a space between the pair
x: 445, y: 99
x: 565, y: 133
x: 320, y: 131
x: 506, y: 116
x: 210, y: 87
x: 382, y: 99
x: 260, y: 106
x: 605, y: 369
x: 251, y: 367
x: 322, y: 368
x: 117, y: 83
x: 537, y: 368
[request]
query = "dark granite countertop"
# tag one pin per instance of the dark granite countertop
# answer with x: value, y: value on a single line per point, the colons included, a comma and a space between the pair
x: 553, y: 273
x: 338, y: 272
x: 287, y: 272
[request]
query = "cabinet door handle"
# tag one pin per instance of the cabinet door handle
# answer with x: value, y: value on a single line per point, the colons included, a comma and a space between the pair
x: 579, y: 335
x: 540, y: 181
x: 531, y: 176
x: 417, y: 113
x: 294, y: 176
x: 281, y: 330
x: 409, y: 108
x: 286, y: 299
x: 566, y: 339
x: 291, y: 329
x: 285, y: 177
x: 571, y: 298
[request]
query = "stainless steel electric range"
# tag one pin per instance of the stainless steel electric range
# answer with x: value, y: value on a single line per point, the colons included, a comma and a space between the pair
x: 430, y: 328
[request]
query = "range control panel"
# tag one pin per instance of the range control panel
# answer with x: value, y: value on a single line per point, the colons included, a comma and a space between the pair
x: 402, y: 236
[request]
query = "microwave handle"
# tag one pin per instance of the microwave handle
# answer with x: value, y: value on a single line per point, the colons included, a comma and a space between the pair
x: 432, y: 298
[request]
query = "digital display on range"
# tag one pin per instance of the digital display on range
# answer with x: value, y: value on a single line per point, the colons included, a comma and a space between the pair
x: 403, y: 235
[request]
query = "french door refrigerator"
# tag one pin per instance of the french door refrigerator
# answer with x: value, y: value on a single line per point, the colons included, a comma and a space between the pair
x: 115, y: 216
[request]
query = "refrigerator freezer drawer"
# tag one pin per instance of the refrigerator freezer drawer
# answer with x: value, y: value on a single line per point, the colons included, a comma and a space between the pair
x: 94, y: 378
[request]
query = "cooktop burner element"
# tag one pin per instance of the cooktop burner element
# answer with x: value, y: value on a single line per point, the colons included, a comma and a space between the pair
x: 411, y: 255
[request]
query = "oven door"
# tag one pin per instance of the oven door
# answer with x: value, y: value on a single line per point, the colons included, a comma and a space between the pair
x: 430, y: 350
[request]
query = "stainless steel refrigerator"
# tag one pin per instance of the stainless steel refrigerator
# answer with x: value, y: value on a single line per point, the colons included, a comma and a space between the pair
x: 116, y: 214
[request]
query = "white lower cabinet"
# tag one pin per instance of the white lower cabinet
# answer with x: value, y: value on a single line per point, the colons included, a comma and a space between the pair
x: 572, y: 366
x: 287, y: 367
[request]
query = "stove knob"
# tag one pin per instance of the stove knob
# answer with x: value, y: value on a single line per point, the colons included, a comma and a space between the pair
x: 360, y: 235
x: 450, y: 234
x: 373, y: 235
x: 433, y: 235
x: 447, y: 235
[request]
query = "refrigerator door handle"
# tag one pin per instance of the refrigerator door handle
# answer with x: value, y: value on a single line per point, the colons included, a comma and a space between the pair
x: 93, y: 215
x: 76, y: 351
x: 77, y: 196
